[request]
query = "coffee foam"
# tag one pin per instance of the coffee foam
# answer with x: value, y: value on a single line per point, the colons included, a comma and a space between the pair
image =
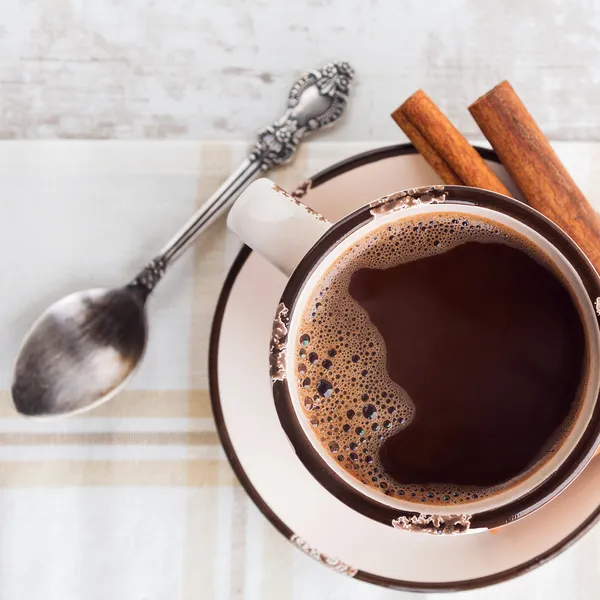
x: 340, y: 358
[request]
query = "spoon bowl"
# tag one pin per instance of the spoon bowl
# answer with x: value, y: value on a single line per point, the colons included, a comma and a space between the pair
x: 80, y: 351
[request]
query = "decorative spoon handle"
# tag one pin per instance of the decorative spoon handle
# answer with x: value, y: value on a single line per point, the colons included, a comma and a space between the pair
x: 316, y: 100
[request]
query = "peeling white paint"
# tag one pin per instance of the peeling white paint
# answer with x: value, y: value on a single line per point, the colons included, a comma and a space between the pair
x: 208, y: 70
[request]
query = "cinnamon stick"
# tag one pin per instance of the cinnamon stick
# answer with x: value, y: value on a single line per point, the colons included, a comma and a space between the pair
x: 535, y: 168
x: 443, y: 146
x: 439, y: 165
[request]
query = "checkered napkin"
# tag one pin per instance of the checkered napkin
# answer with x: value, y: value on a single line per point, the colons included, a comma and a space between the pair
x: 135, y: 500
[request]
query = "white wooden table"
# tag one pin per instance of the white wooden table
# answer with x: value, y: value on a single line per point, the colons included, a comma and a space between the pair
x: 202, y: 69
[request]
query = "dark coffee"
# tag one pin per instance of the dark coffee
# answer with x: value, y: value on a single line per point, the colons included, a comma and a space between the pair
x: 440, y: 361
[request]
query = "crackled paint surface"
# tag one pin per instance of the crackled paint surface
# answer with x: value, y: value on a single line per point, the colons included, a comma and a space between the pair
x: 207, y: 70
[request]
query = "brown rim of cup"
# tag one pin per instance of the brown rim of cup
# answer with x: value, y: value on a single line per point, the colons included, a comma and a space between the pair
x: 336, y: 170
x: 564, y: 474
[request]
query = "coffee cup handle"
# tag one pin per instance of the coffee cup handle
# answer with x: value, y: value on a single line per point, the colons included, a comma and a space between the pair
x: 275, y: 224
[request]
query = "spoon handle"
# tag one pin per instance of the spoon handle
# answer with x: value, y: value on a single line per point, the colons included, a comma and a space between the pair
x: 316, y: 100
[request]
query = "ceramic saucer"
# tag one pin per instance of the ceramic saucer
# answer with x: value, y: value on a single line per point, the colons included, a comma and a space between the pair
x: 293, y: 501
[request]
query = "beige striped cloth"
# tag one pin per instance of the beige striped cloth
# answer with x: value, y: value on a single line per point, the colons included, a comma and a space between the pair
x: 136, y: 500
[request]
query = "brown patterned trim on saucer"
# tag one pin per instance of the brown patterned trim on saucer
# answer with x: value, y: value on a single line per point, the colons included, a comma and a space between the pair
x: 333, y: 563
x: 388, y: 582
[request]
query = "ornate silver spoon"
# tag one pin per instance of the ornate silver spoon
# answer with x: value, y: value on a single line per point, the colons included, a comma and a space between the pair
x: 84, y: 347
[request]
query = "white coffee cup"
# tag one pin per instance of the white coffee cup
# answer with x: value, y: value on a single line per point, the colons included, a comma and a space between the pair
x: 303, y: 245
